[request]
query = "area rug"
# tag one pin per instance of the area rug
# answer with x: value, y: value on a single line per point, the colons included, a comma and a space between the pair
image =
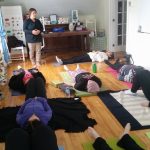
x: 112, y: 142
x: 133, y: 105
x: 116, y: 104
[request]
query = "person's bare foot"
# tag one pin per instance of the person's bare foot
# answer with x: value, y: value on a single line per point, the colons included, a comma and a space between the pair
x: 126, y: 130
x: 66, y: 68
x: 78, y: 67
x: 93, y: 133
x: 59, y: 60
x: 145, y: 104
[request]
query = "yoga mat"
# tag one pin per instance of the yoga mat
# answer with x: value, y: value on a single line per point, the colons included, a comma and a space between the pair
x: 15, y: 93
x: 148, y: 134
x: 133, y: 105
x: 115, y: 74
x: 120, y: 113
x: 112, y: 142
x: 68, y: 79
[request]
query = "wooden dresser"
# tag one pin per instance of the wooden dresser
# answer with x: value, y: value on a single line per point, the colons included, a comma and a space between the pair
x: 67, y: 40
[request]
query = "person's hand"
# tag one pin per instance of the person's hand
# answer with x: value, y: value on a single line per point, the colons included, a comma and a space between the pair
x: 38, y: 32
x: 34, y: 117
x: 35, y: 32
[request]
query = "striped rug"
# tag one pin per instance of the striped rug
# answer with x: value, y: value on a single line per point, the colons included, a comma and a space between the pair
x: 127, y: 108
x: 133, y: 105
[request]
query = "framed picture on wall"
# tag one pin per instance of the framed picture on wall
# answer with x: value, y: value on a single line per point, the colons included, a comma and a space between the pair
x: 53, y: 19
x: 74, y: 16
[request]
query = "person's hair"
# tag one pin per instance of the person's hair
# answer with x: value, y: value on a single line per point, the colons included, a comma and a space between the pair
x: 16, y: 82
x: 112, y: 56
x: 31, y: 10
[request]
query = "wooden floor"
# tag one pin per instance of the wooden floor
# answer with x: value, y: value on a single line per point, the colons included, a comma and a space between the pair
x: 107, y: 125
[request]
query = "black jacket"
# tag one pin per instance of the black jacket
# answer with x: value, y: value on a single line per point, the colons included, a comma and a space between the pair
x: 28, y: 26
x: 16, y: 81
x: 142, y: 80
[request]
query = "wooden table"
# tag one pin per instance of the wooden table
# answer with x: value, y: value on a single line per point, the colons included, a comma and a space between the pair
x: 67, y: 40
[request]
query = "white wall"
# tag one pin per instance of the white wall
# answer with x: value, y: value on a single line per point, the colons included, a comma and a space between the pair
x: 59, y: 7
x: 138, y: 44
x: 103, y: 14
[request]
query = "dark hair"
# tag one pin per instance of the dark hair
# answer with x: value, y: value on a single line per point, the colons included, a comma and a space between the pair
x: 112, y: 56
x: 31, y: 10
x: 16, y: 83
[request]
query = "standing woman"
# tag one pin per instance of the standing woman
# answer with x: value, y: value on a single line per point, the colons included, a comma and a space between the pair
x: 33, y: 28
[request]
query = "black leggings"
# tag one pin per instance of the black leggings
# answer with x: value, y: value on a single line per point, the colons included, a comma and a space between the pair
x: 77, y: 59
x: 125, y: 142
x: 142, y: 80
x: 116, y: 66
x: 35, y: 88
x: 42, y: 138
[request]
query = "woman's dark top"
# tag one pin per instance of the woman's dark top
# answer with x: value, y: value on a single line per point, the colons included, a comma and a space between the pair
x: 30, y: 25
x: 142, y: 80
x: 82, y: 80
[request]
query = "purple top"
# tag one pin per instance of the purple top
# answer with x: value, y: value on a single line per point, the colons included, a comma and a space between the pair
x: 37, y: 106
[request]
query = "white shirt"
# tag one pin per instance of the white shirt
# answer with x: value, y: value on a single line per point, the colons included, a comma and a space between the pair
x: 98, y: 56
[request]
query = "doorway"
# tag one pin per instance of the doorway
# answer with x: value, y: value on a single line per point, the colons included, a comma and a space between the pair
x: 118, y: 24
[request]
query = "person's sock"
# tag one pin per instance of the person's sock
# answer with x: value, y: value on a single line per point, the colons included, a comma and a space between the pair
x: 66, y: 68
x: 93, y: 133
x: 126, y: 130
x: 128, y: 92
x: 78, y: 67
x: 59, y: 60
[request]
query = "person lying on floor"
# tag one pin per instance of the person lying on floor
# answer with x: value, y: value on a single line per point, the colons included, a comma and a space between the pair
x: 125, y: 141
x: 84, y: 81
x: 21, y: 77
x: 126, y: 72
x: 33, y: 117
x: 88, y: 57
x: 141, y: 81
